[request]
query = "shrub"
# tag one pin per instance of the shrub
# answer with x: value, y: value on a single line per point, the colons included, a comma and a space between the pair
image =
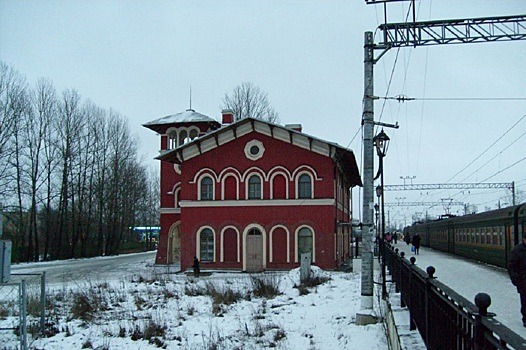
x: 154, y: 329
x: 122, y: 331
x: 33, y: 306
x: 266, y: 286
x: 279, y: 335
x: 303, y: 288
x: 136, y: 334
x: 85, y: 305
x: 194, y: 290
x: 225, y: 296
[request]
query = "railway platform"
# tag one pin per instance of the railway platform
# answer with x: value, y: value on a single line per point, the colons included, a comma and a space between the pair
x: 468, y: 278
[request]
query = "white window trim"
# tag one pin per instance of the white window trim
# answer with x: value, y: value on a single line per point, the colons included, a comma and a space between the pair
x: 198, y: 243
x: 223, y: 179
x: 251, y: 144
x: 271, y: 238
x: 247, y: 182
x: 168, y: 145
x: 199, y: 186
x: 296, y: 240
x: 297, y: 182
x: 264, y: 234
x: 222, y: 243
x: 286, y: 184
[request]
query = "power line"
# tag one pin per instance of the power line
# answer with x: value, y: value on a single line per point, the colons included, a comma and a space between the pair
x: 495, y: 156
x: 487, y: 149
x: 404, y: 98
x: 506, y: 168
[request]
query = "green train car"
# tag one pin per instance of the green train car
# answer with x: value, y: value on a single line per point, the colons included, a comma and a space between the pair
x: 487, y: 237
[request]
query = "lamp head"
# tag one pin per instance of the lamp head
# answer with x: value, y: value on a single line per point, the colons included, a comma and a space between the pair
x: 379, y: 191
x: 381, y: 142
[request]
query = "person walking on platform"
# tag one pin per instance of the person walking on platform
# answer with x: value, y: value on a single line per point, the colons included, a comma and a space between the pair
x: 407, y: 238
x: 395, y: 237
x: 416, y: 242
x: 517, y: 272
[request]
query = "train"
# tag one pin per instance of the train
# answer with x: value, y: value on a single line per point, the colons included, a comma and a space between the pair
x: 486, y: 237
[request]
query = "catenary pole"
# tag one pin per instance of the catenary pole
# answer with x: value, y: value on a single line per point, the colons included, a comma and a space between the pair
x: 413, y: 34
x: 365, y: 315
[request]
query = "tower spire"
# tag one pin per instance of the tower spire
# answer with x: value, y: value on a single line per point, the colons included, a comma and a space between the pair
x: 190, y: 98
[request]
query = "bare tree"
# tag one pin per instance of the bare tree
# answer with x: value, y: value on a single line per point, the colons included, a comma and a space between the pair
x: 69, y: 172
x: 248, y: 100
x: 35, y: 127
x: 13, y: 99
x: 69, y: 132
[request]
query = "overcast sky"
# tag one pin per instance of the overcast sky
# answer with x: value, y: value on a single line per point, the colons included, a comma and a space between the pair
x: 141, y: 57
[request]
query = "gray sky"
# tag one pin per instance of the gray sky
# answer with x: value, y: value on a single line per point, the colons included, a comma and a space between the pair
x: 141, y: 57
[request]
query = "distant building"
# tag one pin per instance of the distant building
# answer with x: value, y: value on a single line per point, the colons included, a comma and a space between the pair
x: 145, y: 233
x: 251, y: 195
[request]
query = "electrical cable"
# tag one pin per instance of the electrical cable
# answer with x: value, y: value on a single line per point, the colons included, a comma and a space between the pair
x: 506, y: 168
x: 487, y: 149
x: 495, y: 156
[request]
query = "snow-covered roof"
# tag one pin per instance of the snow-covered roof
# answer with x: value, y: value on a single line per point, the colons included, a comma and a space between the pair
x: 343, y: 156
x: 188, y: 116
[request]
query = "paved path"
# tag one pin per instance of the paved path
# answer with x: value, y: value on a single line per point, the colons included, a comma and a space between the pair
x: 83, y: 270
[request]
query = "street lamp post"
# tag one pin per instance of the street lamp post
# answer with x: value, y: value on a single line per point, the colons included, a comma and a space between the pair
x: 381, y: 142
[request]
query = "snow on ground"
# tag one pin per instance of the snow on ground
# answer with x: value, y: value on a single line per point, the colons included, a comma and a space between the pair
x: 152, y: 309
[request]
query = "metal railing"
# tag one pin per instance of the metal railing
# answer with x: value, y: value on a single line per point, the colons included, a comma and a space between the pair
x: 445, y: 319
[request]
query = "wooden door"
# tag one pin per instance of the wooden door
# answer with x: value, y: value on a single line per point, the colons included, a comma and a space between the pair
x: 254, y: 251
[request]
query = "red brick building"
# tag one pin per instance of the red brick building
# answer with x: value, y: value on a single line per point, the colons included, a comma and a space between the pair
x: 251, y: 195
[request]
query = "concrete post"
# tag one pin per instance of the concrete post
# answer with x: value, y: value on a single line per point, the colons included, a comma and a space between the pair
x: 306, y: 259
x: 365, y: 315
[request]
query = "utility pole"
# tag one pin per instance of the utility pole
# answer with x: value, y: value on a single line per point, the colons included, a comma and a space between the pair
x: 365, y: 316
x: 400, y: 35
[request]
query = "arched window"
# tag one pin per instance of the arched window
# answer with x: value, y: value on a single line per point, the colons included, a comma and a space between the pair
x: 207, y: 189
x: 193, y: 134
x: 172, y: 139
x: 206, y: 245
x: 305, y: 186
x: 182, y: 137
x: 304, y: 241
x: 254, y: 187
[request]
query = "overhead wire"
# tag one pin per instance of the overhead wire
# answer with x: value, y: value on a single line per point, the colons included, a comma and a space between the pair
x: 488, y: 148
x: 495, y: 156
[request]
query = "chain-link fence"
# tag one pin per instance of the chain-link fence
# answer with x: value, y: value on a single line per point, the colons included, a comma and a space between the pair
x: 22, y: 310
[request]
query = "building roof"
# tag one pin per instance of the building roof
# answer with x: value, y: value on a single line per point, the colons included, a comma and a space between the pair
x: 343, y: 157
x: 188, y: 116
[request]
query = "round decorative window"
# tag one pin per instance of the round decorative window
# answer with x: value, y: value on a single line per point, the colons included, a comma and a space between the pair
x: 254, y: 150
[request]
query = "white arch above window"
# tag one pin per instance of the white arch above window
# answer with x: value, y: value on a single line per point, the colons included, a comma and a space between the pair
x: 286, y: 176
x: 200, y: 184
x: 202, y: 172
x: 247, y: 186
x: 172, y: 135
x: 245, y: 233
x: 222, y: 249
x: 296, y: 241
x: 223, y: 179
x: 198, y: 242
x: 297, y: 184
x: 271, y: 238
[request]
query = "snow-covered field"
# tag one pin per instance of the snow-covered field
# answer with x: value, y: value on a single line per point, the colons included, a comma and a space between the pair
x: 153, y: 309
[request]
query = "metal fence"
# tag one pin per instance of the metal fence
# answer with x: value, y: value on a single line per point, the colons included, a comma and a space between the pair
x: 445, y: 319
x: 22, y: 310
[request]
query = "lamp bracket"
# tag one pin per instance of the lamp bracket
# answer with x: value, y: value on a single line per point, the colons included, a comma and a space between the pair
x: 395, y: 126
